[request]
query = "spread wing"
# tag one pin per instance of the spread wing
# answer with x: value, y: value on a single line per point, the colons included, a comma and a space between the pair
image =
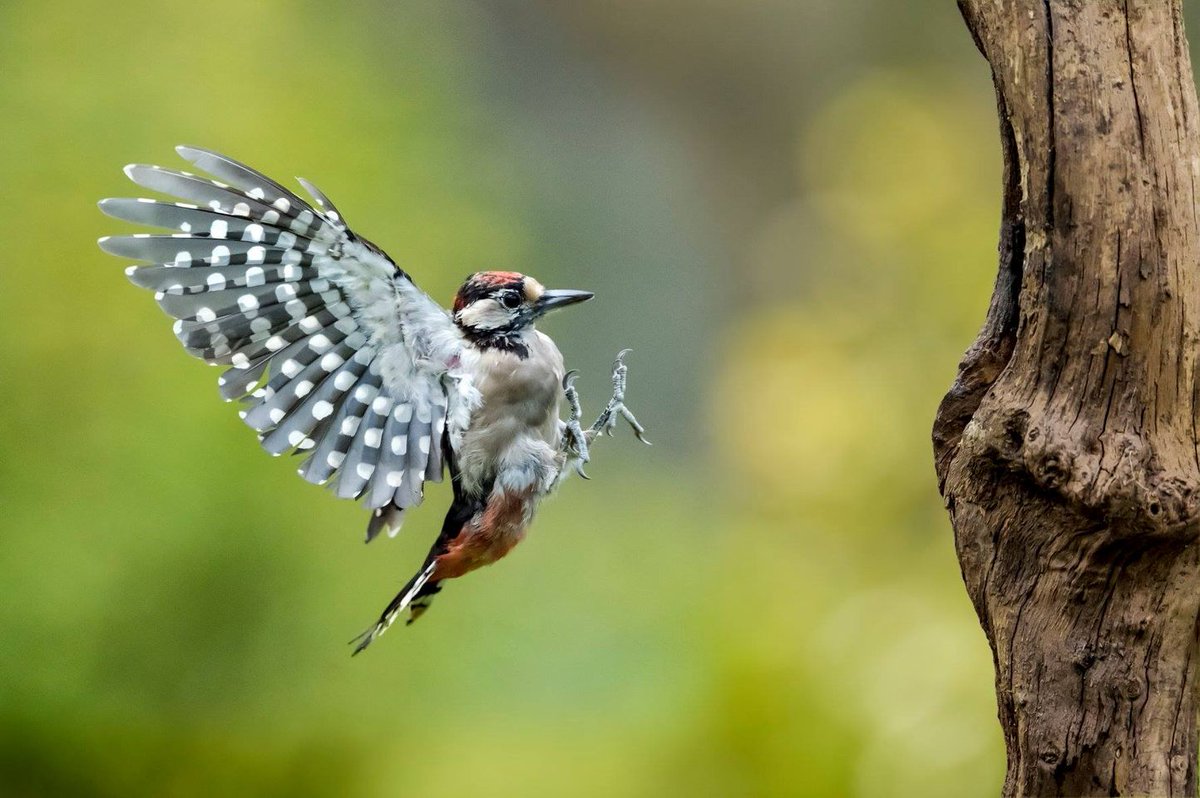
x: 333, y: 350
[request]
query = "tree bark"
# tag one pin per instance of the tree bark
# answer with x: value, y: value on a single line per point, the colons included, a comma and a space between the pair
x: 1066, y: 450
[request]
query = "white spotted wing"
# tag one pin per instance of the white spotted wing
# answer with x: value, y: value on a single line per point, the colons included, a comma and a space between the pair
x: 334, y: 351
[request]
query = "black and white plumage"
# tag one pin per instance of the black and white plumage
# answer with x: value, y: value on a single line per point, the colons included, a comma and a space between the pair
x: 337, y: 356
x: 331, y: 347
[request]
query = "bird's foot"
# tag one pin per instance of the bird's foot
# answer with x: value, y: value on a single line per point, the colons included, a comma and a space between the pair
x: 575, y: 440
x: 615, y: 408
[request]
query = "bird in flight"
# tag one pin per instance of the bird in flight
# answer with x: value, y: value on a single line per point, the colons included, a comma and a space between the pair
x: 337, y: 356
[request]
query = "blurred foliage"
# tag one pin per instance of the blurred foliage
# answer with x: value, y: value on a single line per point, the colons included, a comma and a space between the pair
x: 788, y: 210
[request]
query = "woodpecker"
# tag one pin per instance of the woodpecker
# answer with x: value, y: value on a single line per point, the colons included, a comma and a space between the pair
x: 338, y: 356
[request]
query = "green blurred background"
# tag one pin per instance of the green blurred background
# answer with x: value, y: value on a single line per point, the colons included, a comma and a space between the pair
x: 788, y: 210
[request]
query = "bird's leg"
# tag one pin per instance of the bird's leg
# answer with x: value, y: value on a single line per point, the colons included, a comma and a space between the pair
x: 607, y: 420
x: 576, y: 440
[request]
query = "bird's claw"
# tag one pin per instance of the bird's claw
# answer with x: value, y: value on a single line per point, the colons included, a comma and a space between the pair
x: 638, y: 429
x: 607, y: 422
x: 575, y: 440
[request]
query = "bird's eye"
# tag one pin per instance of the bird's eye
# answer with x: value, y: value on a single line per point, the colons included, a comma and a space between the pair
x: 510, y: 301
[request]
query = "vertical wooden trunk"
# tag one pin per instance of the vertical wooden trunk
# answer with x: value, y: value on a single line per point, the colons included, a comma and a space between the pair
x: 1066, y: 450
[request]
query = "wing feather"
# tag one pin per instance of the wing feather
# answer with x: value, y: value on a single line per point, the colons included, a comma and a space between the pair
x: 332, y: 349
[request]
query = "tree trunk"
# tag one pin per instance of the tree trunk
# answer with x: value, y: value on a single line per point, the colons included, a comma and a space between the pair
x: 1066, y: 449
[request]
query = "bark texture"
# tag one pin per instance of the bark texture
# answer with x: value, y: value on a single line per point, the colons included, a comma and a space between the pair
x: 1066, y: 450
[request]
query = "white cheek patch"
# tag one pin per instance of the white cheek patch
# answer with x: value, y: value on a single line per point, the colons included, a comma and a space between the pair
x: 484, y: 314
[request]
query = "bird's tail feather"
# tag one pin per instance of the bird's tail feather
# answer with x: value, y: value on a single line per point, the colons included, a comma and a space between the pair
x: 422, y: 601
x: 412, y: 595
x: 385, y: 519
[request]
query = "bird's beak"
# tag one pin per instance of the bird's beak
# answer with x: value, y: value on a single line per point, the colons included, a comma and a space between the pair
x: 551, y: 300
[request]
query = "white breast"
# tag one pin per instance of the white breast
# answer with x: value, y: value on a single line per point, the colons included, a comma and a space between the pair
x: 513, y: 436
